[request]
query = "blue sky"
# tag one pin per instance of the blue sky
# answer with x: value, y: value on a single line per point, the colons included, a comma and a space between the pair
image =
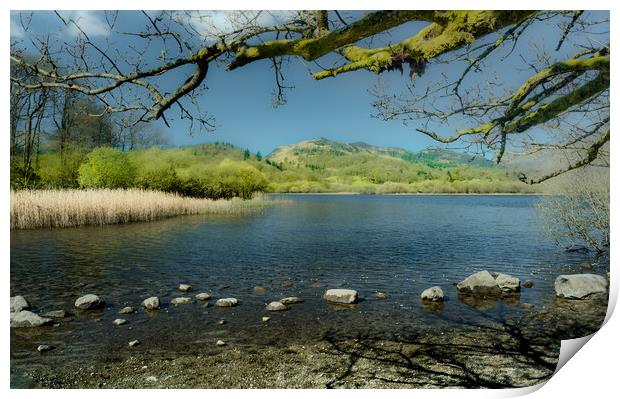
x: 338, y: 108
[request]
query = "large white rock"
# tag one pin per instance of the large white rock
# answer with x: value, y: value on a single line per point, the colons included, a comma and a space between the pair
x: 26, y: 318
x: 203, y: 296
x: 151, y: 303
x: 89, y: 301
x: 56, y: 313
x: 226, y: 302
x: 291, y: 300
x: 579, y: 286
x: 19, y: 303
x: 184, y: 287
x: 126, y: 310
x: 507, y: 283
x: 182, y: 300
x: 479, y: 283
x: 340, y: 296
x: 433, y: 294
x: 276, y: 306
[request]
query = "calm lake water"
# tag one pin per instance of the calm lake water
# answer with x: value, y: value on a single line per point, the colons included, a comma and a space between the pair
x: 399, y: 245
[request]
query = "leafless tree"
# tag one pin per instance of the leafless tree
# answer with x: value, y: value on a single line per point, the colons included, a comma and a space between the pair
x: 581, y: 212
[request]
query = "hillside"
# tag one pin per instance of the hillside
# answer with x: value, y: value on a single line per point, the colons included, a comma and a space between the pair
x: 307, y: 152
x: 323, y: 165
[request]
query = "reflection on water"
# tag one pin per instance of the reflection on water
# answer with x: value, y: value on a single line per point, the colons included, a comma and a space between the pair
x: 398, y: 245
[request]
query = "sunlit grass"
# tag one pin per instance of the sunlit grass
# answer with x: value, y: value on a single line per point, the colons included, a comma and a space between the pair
x: 32, y: 209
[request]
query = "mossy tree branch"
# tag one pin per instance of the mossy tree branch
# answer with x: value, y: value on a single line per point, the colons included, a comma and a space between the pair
x: 450, y: 30
x: 313, y: 48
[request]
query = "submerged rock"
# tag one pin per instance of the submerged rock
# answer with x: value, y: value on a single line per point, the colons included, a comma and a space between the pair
x: 580, y: 286
x: 203, y: 296
x: 577, y: 248
x: 433, y: 294
x: 58, y: 314
x: 259, y: 290
x: 89, y: 301
x: 480, y: 302
x: 126, y: 310
x: 340, y: 295
x: 26, y: 318
x: 19, y: 303
x: 184, y: 287
x: 528, y: 284
x: 291, y: 300
x: 380, y: 295
x: 151, y: 303
x: 226, y: 302
x: 276, y: 306
x: 45, y: 348
x: 182, y: 300
x: 119, y: 322
x: 585, y: 266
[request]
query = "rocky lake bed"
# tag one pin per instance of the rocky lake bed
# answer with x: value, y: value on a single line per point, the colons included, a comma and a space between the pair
x: 513, y: 352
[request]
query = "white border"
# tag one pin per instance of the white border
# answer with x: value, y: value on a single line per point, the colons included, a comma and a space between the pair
x: 592, y: 372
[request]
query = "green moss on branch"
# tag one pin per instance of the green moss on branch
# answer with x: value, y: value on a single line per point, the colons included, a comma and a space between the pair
x: 453, y: 30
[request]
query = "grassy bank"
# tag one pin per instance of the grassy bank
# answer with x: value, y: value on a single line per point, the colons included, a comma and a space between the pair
x: 32, y: 209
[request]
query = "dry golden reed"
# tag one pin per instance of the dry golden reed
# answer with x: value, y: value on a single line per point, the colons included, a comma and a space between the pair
x: 32, y: 209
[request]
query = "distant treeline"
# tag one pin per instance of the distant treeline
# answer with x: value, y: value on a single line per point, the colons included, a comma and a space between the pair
x: 220, y: 170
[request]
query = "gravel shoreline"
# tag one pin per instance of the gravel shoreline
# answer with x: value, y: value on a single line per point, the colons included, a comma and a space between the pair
x: 515, y: 353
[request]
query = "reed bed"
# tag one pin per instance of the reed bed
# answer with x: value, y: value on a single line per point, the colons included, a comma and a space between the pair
x: 31, y: 209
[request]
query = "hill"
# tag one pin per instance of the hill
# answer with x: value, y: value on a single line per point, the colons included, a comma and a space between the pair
x: 323, y: 165
x: 308, y: 151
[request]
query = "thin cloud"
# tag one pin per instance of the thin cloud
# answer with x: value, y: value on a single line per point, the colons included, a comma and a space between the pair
x: 88, y: 21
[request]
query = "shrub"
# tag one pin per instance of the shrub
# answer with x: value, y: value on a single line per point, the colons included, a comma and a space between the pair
x: 226, y: 180
x: 107, y: 167
x: 154, y: 171
x: 58, y: 171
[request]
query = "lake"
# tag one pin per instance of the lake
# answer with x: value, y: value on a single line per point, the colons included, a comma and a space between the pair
x: 399, y: 245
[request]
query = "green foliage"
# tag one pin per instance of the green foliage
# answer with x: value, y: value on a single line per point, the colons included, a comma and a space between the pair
x: 221, y: 170
x: 61, y: 171
x: 107, y: 167
x: 228, y: 179
x: 23, y: 176
x: 154, y: 171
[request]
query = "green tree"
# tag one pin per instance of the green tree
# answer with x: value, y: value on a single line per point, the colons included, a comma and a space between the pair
x: 107, y: 167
